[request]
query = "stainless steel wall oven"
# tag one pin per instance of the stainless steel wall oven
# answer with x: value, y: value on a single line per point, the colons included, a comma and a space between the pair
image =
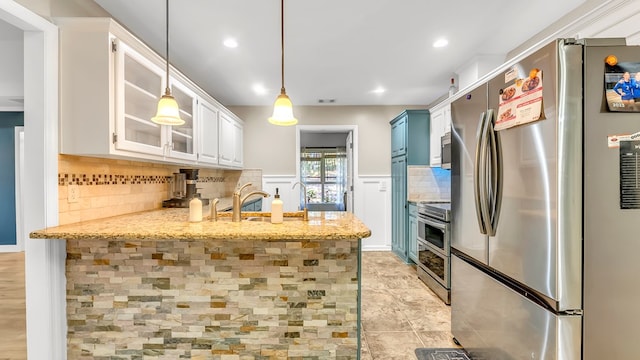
x: 434, y: 248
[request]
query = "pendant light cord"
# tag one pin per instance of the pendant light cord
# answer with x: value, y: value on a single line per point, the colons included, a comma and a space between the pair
x: 282, y: 42
x: 167, y: 90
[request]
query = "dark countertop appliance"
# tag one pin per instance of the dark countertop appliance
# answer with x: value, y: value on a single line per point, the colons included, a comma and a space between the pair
x: 434, y: 249
x: 183, y: 189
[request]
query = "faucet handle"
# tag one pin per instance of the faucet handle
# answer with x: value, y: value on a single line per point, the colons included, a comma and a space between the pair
x: 214, y: 209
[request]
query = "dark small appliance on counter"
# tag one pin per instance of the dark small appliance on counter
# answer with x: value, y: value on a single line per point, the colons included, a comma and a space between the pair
x: 183, y: 189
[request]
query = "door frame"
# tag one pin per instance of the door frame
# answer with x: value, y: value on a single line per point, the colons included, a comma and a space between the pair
x: 44, y: 259
x: 332, y: 129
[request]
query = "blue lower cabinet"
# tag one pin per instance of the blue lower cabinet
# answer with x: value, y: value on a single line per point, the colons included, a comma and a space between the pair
x: 412, y: 248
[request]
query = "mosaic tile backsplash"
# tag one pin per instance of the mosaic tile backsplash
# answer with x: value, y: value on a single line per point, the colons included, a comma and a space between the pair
x: 223, y: 299
x: 110, y: 187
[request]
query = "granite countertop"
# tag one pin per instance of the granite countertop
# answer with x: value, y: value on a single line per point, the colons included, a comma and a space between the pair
x: 169, y: 224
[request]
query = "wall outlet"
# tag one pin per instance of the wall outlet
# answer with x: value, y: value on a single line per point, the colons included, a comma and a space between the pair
x: 73, y: 193
x: 382, y: 186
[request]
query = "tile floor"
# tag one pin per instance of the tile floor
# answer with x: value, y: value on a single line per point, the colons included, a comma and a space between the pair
x: 399, y: 312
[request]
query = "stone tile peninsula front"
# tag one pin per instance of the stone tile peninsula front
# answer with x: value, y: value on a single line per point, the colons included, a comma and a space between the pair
x: 212, y: 290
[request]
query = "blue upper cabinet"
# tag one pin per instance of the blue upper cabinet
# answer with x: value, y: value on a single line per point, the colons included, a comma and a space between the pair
x: 410, y: 136
x: 399, y: 135
x: 409, y: 146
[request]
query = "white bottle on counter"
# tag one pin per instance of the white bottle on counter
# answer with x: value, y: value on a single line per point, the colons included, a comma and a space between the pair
x: 195, y: 210
x: 276, y: 209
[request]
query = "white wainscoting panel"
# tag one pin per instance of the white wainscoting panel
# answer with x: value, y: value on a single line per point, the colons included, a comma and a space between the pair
x: 288, y: 195
x: 372, y: 204
x: 372, y: 200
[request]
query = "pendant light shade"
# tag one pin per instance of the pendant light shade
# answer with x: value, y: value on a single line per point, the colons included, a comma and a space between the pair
x: 168, y: 112
x: 283, y: 108
x: 283, y: 111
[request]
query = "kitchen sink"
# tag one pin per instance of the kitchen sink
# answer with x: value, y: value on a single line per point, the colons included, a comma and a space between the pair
x: 268, y: 219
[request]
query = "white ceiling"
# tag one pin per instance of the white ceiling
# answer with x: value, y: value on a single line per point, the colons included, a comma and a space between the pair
x: 334, y: 49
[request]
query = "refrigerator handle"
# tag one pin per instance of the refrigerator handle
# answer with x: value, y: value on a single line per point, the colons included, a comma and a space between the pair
x: 486, y: 177
x: 496, y: 172
x: 479, y: 174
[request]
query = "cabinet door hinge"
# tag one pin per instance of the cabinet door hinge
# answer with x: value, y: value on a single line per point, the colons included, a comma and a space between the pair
x: 115, y: 138
x: 114, y: 46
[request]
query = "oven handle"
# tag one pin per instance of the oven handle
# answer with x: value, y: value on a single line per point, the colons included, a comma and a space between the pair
x: 431, y: 222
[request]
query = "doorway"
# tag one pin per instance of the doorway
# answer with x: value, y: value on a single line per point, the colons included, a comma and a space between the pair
x: 11, y: 155
x: 326, y: 162
x: 44, y: 260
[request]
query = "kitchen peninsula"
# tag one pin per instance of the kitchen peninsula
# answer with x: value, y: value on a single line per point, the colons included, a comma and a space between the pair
x: 152, y: 284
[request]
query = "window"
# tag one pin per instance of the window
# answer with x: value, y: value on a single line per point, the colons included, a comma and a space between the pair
x: 323, y: 171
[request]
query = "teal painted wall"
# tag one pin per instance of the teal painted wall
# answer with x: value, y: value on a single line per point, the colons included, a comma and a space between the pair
x: 8, y: 122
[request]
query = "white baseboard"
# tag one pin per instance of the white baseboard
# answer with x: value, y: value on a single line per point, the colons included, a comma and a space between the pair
x: 10, y: 248
x: 375, y: 248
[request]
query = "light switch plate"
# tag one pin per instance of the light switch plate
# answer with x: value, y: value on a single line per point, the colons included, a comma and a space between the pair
x: 73, y: 193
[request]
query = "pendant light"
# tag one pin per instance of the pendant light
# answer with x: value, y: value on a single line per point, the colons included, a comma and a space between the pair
x: 168, y: 112
x: 283, y: 108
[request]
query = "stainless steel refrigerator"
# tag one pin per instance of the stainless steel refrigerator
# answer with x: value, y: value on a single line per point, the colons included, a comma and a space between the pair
x: 545, y: 228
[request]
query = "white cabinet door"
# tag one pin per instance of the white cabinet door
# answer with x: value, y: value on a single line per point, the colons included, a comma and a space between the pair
x: 238, y: 135
x: 208, y: 130
x: 436, y: 131
x: 181, y: 142
x: 447, y: 118
x: 231, y: 134
x: 139, y: 84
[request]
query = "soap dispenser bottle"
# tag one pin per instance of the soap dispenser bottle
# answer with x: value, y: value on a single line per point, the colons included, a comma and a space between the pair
x: 195, y: 210
x: 276, y: 209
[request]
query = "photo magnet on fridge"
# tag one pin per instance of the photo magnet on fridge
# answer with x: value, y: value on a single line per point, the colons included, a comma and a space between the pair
x: 622, y: 85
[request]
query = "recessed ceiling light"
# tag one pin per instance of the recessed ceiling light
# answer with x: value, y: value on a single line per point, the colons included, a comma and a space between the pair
x: 378, y: 90
x: 440, y: 43
x: 230, y: 43
x: 259, y: 89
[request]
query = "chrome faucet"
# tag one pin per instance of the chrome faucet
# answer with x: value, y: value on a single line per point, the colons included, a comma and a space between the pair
x: 238, y: 201
x: 304, y: 189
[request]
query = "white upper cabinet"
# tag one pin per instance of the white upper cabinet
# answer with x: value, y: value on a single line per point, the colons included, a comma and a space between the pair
x: 209, y: 135
x: 141, y: 83
x: 440, y: 123
x: 110, y: 84
x: 231, y: 131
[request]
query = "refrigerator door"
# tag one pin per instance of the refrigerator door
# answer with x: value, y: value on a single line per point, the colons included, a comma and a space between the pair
x: 529, y: 240
x: 493, y: 322
x: 611, y: 241
x: 467, y: 223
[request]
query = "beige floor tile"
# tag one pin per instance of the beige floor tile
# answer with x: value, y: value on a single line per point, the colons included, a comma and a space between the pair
x: 399, y: 312
x: 396, y: 345
x: 437, y: 339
